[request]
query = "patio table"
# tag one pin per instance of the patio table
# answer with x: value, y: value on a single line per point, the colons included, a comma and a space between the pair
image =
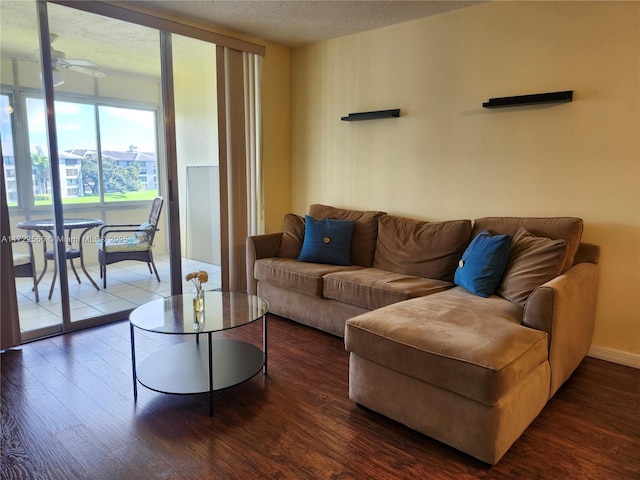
x: 48, y: 225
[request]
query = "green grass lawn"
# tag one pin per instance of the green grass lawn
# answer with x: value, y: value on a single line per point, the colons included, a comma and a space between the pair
x: 140, y: 195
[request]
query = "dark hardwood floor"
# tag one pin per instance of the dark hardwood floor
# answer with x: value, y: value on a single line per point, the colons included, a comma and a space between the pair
x: 68, y: 413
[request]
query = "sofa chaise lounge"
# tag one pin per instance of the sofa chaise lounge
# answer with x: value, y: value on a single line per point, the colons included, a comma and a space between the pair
x: 471, y: 369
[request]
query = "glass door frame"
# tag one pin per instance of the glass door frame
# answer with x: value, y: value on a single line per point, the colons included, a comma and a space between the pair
x: 171, y: 157
x: 166, y: 136
x: 54, y: 162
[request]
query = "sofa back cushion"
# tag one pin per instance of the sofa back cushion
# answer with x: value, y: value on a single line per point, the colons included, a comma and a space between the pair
x: 423, y: 249
x: 365, y: 232
x: 555, y: 228
x: 533, y: 261
x: 292, y: 236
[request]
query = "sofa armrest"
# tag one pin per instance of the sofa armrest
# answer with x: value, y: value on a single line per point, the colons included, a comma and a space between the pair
x: 587, y: 252
x: 260, y: 246
x: 565, y: 308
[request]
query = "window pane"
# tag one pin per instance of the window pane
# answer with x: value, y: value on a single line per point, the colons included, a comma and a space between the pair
x: 129, y: 154
x: 39, y: 150
x: 6, y: 135
x: 75, y: 124
x: 76, y: 127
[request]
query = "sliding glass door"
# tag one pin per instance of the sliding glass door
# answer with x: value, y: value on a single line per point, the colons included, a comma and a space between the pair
x: 198, y: 169
x: 106, y: 110
x: 26, y: 164
x: 107, y: 167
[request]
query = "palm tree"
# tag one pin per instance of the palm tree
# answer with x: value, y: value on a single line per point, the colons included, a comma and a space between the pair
x: 40, y: 165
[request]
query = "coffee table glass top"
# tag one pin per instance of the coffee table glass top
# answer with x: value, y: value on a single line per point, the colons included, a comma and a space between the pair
x: 222, y: 311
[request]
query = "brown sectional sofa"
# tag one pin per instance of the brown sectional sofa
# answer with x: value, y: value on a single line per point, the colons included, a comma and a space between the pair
x: 470, y: 371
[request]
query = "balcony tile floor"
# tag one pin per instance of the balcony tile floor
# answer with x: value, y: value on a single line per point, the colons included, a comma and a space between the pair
x: 129, y: 284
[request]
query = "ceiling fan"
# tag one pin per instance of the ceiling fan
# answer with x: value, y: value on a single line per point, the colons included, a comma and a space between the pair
x: 60, y: 61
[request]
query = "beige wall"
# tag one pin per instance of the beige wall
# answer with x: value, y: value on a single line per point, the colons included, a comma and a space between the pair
x: 446, y: 157
x: 276, y: 135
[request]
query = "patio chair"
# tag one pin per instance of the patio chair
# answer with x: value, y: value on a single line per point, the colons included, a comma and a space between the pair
x: 120, y: 242
x: 24, y: 265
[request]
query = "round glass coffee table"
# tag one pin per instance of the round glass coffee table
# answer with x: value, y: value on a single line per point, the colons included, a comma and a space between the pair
x: 199, y: 366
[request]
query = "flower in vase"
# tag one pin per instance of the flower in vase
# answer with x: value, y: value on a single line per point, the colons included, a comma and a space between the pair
x: 198, y: 278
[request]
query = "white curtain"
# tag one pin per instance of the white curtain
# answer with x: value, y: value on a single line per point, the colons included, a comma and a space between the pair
x: 253, y: 125
x: 241, y: 209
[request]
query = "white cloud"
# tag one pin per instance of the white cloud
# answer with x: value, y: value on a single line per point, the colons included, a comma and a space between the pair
x: 69, y: 126
x: 143, y: 117
x: 66, y: 108
x: 37, y: 121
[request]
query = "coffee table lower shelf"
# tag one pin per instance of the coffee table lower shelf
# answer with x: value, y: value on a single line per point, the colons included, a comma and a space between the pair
x: 184, y: 368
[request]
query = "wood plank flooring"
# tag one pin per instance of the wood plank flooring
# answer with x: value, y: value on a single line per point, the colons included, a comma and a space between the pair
x: 68, y: 413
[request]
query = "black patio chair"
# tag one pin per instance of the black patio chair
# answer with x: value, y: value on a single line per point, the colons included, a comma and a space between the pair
x: 120, y: 242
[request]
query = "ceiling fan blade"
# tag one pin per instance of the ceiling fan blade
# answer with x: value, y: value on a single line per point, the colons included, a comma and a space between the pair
x: 60, y: 60
x: 86, y: 71
x: 78, y: 62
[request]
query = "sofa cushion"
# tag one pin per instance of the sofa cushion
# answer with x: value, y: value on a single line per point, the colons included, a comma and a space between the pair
x: 566, y: 228
x: 483, y: 263
x: 327, y: 241
x: 422, y: 249
x: 21, y: 259
x: 532, y: 262
x: 470, y: 345
x: 123, y: 244
x: 292, y: 236
x: 372, y: 288
x: 144, y: 232
x: 365, y: 232
x: 299, y: 276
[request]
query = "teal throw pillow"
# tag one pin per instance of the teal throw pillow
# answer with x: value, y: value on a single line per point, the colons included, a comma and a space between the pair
x: 327, y: 241
x: 483, y: 264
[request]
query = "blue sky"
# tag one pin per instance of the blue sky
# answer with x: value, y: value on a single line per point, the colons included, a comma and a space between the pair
x: 76, y: 126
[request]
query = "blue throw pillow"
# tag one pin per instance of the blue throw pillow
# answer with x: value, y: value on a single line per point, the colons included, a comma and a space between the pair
x: 483, y: 264
x: 327, y: 241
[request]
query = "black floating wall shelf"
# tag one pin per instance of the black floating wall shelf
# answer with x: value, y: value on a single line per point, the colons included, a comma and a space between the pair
x: 353, y: 117
x: 554, y: 97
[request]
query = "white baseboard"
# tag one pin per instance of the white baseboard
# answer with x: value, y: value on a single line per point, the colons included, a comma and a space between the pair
x: 615, y: 356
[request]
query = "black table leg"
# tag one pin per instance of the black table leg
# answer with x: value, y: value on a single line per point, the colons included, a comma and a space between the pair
x: 210, y: 376
x: 133, y: 364
x: 264, y: 343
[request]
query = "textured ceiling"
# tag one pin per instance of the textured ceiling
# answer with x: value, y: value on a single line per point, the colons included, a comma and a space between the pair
x: 116, y: 46
x: 296, y: 23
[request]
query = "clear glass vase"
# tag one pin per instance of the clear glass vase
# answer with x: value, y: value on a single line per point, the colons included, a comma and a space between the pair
x: 198, y: 300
